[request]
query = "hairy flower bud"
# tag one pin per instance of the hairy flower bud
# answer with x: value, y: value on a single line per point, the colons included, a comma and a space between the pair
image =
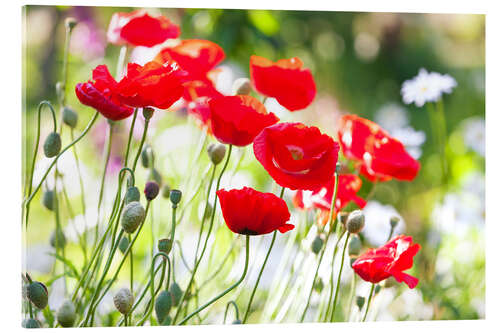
x: 175, y: 196
x: 69, y: 117
x: 52, y: 145
x: 123, y: 245
x: 146, y: 153
x: 31, y: 323
x: 57, y: 239
x: 165, y: 245
x: 165, y: 191
x: 70, y: 23
x: 360, y: 301
x: 394, y: 221
x: 176, y: 292
x: 66, y: 314
x: 37, y: 294
x: 147, y: 112
x: 317, y: 244
x: 154, y: 175
x: 59, y: 90
x: 355, y: 221
x: 132, y: 195
x: 242, y: 86
x: 216, y: 152
x: 342, y: 216
x: 163, y: 304
x: 48, y: 199
x: 151, y: 190
x: 167, y: 321
x: 377, y: 289
x: 133, y: 216
x: 123, y: 300
x: 319, y: 285
x: 354, y: 246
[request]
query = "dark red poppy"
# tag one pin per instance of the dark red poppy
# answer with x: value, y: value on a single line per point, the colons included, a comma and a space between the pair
x: 238, y: 119
x: 321, y: 198
x: 139, y: 29
x: 286, y: 80
x: 296, y: 156
x: 195, y: 56
x: 250, y: 212
x: 388, y: 260
x: 380, y: 156
x: 151, y: 85
x: 100, y: 93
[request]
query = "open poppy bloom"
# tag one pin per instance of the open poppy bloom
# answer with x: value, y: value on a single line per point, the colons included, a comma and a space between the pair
x: 321, y: 198
x: 100, y: 93
x: 238, y: 119
x: 286, y: 80
x: 250, y: 212
x: 153, y: 84
x: 388, y: 260
x: 195, y: 56
x: 296, y: 156
x: 139, y: 29
x: 381, y: 157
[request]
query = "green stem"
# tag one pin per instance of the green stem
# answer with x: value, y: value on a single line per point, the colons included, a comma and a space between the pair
x: 338, y: 279
x: 131, y: 267
x: 82, y: 190
x: 327, y: 312
x: 130, y: 134
x: 143, y: 139
x: 369, y: 301
x: 222, y: 294
x: 237, y: 313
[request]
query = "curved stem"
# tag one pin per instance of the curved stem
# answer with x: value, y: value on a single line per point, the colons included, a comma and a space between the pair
x: 369, y: 301
x: 235, y: 310
x: 183, y: 321
x: 338, y: 279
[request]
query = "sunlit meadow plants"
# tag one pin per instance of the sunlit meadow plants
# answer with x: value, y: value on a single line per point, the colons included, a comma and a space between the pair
x: 113, y: 281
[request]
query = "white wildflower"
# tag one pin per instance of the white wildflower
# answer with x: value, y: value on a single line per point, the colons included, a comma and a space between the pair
x: 426, y: 87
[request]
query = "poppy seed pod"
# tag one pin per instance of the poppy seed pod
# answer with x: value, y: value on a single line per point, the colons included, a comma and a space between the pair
x: 132, y: 195
x: 394, y: 221
x: 48, y: 199
x: 175, y: 197
x: 133, y: 216
x: 52, y: 145
x: 69, y: 117
x: 176, y: 292
x: 165, y: 245
x: 66, y: 314
x: 216, y: 152
x: 123, y: 245
x: 147, y: 112
x: 236, y: 322
x: 31, y: 323
x: 163, y: 304
x: 70, y: 23
x: 354, y: 246
x: 123, y: 300
x: 242, y: 86
x: 37, y: 294
x: 57, y: 239
x: 355, y: 221
x: 151, y: 190
x: 317, y: 244
x: 146, y: 152
x: 165, y: 191
x: 360, y: 301
x: 167, y: 321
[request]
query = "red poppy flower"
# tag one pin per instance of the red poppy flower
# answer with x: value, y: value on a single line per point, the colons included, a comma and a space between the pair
x: 198, y: 88
x: 200, y: 110
x: 321, y: 198
x: 388, y: 260
x: 238, y: 119
x: 139, y: 29
x: 296, y: 156
x: 151, y: 85
x: 286, y: 80
x: 101, y: 95
x: 250, y: 212
x: 195, y: 56
x: 381, y: 157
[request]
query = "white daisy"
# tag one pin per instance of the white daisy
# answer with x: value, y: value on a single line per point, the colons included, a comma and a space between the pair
x: 426, y: 87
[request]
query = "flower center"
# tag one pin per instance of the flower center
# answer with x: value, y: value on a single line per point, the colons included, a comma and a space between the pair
x: 297, y: 153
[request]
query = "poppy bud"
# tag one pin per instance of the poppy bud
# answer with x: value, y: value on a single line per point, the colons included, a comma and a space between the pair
x: 123, y: 245
x: 176, y: 292
x: 147, y: 112
x: 165, y: 191
x: 155, y: 175
x: 319, y: 285
x: 175, y: 196
x: 163, y: 304
x: 69, y: 117
x: 377, y: 289
x: 354, y: 245
x: 145, y: 154
x: 317, y: 244
x: 133, y: 216
x: 132, y: 195
x: 37, y: 294
x: 394, y: 221
x: 342, y: 216
x: 151, y: 190
x: 338, y: 167
x: 355, y: 221
x: 208, y: 211
x: 123, y: 300
x: 31, y: 323
x: 165, y: 245
x: 57, y: 239
x: 52, y: 144
x: 70, y: 23
x: 236, y: 322
x: 167, y: 321
x: 360, y: 301
x: 66, y: 314
x: 216, y: 152
x: 48, y: 200
x: 59, y: 90
x: 352, y: 260
x: 242, y: 86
